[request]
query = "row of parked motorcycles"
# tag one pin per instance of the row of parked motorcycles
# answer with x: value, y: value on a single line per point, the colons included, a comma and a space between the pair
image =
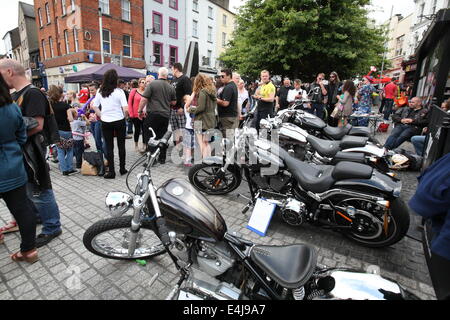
x: 331, y: 178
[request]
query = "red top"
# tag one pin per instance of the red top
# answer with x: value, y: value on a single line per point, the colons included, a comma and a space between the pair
x: 133, y: 103
x: 390, y: 91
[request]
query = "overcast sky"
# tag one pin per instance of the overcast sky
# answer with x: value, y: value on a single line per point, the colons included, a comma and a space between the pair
x: 9, y: 12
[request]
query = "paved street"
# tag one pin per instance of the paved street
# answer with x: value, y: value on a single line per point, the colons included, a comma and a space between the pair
x: 66, y: 270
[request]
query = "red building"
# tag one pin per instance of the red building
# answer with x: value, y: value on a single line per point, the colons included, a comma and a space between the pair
x: 70, y: 40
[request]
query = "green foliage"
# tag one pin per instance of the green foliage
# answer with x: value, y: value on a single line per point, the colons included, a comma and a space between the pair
x: 299, y: 38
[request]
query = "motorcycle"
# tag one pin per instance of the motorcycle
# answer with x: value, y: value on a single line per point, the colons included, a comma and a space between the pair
x: 309, y: 148
x: 355, y: 199
x: 213, y: 262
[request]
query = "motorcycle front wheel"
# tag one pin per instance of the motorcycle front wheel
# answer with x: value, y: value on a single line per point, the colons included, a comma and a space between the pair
x: 206, y: 178
x: 382, y: 228
x: 109, y: 238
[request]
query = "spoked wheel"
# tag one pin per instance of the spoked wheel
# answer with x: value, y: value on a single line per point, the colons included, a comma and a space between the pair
x: 110, y: 239
x: 209, y: 179
x: 373, y: 225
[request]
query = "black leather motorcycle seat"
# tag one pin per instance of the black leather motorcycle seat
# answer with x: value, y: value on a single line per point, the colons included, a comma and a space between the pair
x: 290, y: 266
x: 349, y: 156
x: 360, y: 131
x: 351, y: 170
x: 353, y: 142
x: 337, y: 133
x: 326, y: 148
x: 312, y: 178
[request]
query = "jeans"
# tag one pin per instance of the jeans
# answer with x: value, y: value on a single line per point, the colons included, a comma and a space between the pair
x: 108, y: 129
x: 317, y: 109
x: 96, y: 130
x: 388, y: 104
x: 47, y: 208
x: 78, y: 150
x: 65, y: 156
x: 401, y: 133
x: 419, y: 144
x: 24, y: 213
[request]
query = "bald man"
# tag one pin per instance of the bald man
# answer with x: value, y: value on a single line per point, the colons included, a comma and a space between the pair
x: 33, y: 103
x: 409, y: 121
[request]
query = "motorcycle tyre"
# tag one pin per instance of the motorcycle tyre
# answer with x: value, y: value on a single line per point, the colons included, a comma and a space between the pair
x: 111, y: 224
x: 197, y: 167
x: 400, y: 212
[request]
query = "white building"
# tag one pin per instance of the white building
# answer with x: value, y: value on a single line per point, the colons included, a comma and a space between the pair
x: 422, y: 17
x: 201, y: 26
x: 164, y: 33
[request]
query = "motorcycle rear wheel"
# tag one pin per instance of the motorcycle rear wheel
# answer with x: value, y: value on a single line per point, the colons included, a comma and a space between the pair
x: 204, y: 178
x: 119, y: 229
x: 374, y: 236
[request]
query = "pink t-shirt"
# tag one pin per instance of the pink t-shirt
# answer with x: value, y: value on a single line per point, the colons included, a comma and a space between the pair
x: 133, y: 103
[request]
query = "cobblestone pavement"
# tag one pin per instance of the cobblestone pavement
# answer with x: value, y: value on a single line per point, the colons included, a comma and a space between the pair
x: 66, y: 270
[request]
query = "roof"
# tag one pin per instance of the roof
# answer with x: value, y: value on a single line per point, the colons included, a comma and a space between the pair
x: 28, y: 10
x: 14, y: 36
x: 438, y: 28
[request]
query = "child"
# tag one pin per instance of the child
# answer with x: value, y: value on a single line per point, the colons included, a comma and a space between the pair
x: 188, y: 138
x: 78, y: 125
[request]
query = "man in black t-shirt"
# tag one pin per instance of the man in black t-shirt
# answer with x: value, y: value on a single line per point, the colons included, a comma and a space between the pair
x: 183, y: 87
x: 227, y: 103
x: 282, y: 94
x: 33, y: 103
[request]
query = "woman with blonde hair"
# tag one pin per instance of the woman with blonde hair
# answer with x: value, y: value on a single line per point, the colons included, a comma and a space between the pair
x: 202, y: 104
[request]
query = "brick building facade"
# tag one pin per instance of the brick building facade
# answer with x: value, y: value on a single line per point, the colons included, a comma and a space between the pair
x: 69, y: 35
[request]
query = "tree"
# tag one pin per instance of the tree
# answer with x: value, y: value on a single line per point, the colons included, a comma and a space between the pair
x: 299, y: 38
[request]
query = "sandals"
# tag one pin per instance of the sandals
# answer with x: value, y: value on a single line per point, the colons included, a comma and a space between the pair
x: 10, y: 227
x: 28, y: 256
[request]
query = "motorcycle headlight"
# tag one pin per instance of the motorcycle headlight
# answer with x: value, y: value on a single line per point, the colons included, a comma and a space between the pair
x: 118, y: 203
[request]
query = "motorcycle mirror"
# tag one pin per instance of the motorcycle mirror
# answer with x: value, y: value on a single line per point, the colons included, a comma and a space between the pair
x: 152, y: 132
x: 118, y: 203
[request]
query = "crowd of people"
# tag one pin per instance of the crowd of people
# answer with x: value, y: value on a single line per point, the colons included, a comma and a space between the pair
x: 117, y: 110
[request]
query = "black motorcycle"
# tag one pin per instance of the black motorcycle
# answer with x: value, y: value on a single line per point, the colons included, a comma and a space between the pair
x: 358, y: 200
x: 213, y: 262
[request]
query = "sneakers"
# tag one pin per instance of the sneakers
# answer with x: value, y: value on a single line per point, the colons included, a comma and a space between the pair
x: 43, y: 239
x: 68, y: 173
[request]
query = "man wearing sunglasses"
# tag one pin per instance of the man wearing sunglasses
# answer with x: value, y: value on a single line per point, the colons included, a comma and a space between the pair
x: 227, y: 103
x: 318, y: 92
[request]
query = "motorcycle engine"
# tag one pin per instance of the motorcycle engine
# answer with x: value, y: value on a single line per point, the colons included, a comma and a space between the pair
x: 294, y: 212
x: 275, y: 183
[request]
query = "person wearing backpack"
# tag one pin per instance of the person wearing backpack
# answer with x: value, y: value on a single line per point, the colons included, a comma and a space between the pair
x: 33, y: 103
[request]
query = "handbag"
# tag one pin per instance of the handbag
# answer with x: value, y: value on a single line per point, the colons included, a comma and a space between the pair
x: 401, y: 100
x: 383, y: 127
x: 337, y: 111
x: 88, y: 169
x: 65, y: 144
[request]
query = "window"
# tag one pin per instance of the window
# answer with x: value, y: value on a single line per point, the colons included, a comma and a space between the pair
x: 43, y: 49
x: 210, y: 12
x: 75, y: 37
x: 224, y: 20
x: 173, y: 28
x: 422, y: 9
x: 195, y: 5
x: 399, y: 46
x: 157, y: 53
x: 106, y: 41
x: 173, y: 55
x: 157, y: 23
x: 57, y: 24
x: 126, y: 10
x: 209, y: 57
x: 127, y: 46
x: 224, y: 39
x: 40, y: 17
x: 63, y: 7
x: 210, y: 32
x: 47, y: 11
x: 66, y: 40
x: 104, y: 5
x: 433, y: 7
x: 50, y: 41
x: 72, y: 5
x: 173, y: 4
x: 195, y: 28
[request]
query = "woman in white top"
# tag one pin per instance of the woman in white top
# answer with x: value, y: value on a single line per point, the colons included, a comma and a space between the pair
x: 242, y: 96
x: 114, y: 110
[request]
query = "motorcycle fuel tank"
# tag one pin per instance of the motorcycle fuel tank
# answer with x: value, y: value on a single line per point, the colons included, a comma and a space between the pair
x: 289, y: 131
x: 179, y: 200
x: 309, y: 121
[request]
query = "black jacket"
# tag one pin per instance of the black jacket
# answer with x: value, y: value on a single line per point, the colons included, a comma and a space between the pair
x: 420, y: 117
